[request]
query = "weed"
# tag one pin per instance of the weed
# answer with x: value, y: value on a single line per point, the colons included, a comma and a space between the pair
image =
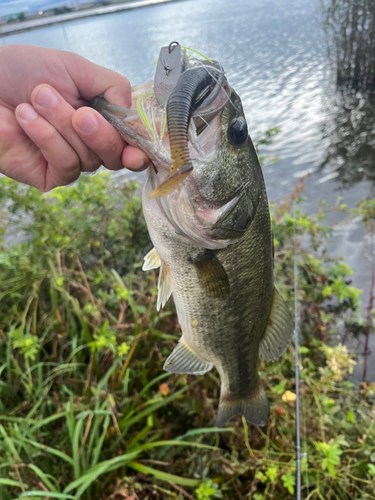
x: 86, y: 410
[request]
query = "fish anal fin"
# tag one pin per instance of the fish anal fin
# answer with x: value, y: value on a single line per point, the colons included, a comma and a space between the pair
x: 184, y: 360
x: 164, y: 285
x: 212, y: 276
x: 253, y: 406
x: 279, y: 330
x: 151, y: 260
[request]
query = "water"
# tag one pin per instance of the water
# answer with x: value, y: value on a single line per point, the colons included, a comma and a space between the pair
x: 284, y: 58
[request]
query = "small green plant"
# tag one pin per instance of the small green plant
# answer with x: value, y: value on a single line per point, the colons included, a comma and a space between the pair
x: 331, y: 453
x: 207, y: 490
x: 289, y: 482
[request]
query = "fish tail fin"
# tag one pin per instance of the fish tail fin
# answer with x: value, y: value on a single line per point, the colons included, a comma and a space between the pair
x: 253, y: 406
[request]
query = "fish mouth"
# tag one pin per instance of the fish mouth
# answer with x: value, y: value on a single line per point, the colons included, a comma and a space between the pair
x: 199, y: 86
x: 144, y: 125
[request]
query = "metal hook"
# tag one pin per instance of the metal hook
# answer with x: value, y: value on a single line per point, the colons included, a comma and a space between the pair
x: 172, y: 45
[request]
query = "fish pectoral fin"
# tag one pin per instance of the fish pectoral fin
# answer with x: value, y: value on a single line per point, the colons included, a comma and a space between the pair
x: 164, y: 285
x: 212, y: 276
x: 253, y: 406
x: 279, y: 330
x: 151, y: 260
x: 184, y: 360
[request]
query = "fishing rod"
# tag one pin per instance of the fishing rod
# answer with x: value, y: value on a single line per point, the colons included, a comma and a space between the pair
x: 296, y: 369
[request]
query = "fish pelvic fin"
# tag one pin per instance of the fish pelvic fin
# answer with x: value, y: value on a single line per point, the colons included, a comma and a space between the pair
x: 279, y: 331
x: 253, y: 406
x: 151, y: 260
x: 164, y: 285
x: 184, y: 360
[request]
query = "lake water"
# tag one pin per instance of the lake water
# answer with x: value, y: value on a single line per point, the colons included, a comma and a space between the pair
x: 284, y: 58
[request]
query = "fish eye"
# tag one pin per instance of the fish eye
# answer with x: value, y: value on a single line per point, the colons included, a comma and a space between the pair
x: 238, y: 130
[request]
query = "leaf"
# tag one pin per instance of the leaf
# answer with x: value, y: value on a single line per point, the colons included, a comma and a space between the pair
x: 289, y: 482
x: 259, y: 475
x: 279, y: 388
x: 351, y: 417
x: 271, y: 473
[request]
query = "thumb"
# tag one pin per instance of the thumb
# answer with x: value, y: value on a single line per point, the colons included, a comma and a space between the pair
x: 92, y: 80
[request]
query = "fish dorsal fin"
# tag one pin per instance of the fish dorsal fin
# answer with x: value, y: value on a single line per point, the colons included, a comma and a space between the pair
x: 184, y: 360
x: 212, y: 276
x: 151, y: 260
x: 164, y: 285
x: 279, y: 330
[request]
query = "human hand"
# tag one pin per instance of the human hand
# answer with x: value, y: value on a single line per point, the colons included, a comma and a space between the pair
x: 48, y: 135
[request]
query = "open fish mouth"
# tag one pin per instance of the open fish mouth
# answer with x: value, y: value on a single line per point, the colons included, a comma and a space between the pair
x: 178, y: 129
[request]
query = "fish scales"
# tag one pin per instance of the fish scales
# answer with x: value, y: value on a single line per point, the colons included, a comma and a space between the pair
x: 211, y: 228
x: 248, y: 265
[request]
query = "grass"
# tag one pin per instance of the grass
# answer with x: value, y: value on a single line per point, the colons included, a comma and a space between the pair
x: 86, y: 411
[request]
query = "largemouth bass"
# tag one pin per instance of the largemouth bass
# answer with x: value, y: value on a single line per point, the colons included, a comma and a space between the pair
x: 206, y: 209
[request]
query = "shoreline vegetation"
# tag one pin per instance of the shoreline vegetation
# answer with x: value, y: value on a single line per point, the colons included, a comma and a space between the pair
x: 25, y: 24
x: 86, y: 411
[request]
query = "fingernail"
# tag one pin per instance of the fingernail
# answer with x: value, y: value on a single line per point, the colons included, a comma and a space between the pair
x: 46, y: 98
x: 27, y: 113
x: 88, y: 123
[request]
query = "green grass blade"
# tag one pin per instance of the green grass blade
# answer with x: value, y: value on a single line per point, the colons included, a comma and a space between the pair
x: 42, y: 476
x: 153, y: 382
x: 48, y: 494
x: 9, y: 442
x: 81, y: 484
x: 140, y: 435
x: 99, y: 445
x: 46, y: 421
x: 193, y: 432
x: 164, y: 476
x: 155, y: 406
x: 10, y: 482
x: 75, y: 447
x: 174, y: 442
x: 53, y: 451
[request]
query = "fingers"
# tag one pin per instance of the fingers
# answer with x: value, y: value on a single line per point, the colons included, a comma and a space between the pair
x: 93, y: 80
x: 63, y: 165
x: 21, y: 160
x: 134, y: 159
x: 93, y: 139
x: 99, y: 136
x: 58, y: 113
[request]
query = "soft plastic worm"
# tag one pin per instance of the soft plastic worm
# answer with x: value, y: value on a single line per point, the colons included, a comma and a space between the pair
x: 191, y: 89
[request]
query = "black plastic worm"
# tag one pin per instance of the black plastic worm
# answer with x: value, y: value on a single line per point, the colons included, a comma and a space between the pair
x: 192, y: 88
